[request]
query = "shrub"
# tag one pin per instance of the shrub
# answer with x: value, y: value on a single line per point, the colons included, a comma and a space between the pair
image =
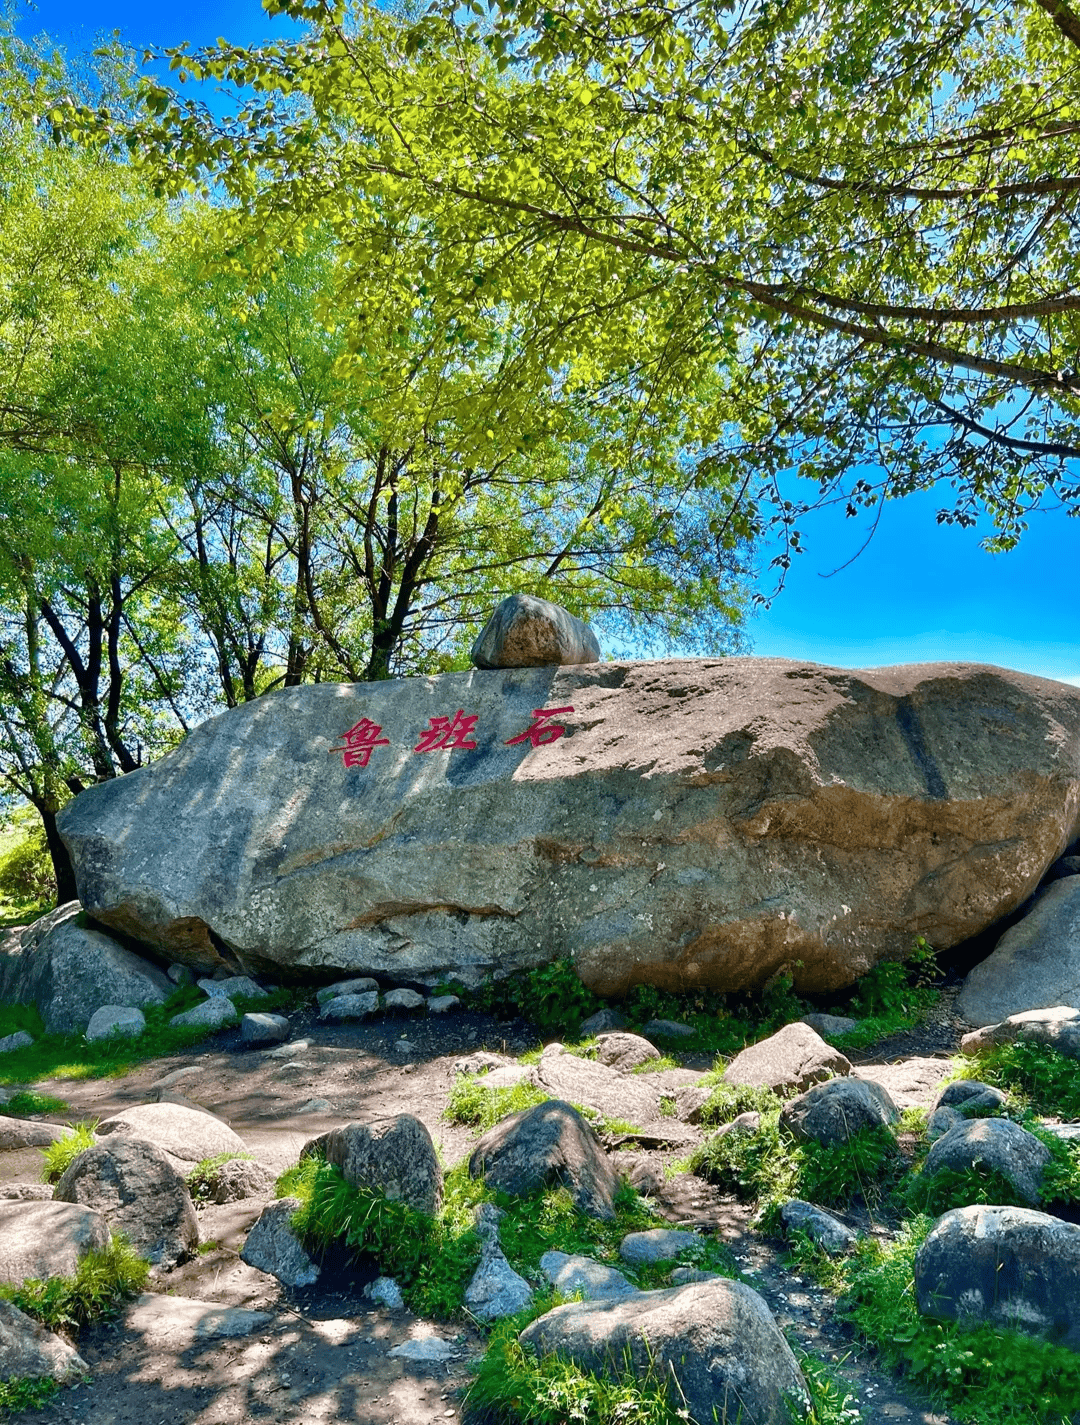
x: 103, y: 1281
x: 59, y: 1155
x: 1034, y: 1073
x: 27, y: 880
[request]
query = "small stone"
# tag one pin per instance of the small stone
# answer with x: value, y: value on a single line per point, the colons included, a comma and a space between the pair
x: 181, y: 974
x: 830, y: 1024
x: 19, y: 1040
x: 362, y: 986
x: 972, y: 1099
x: 496, y: 1290
x: 286, y: 1051
x: 423, y: 1349
x: 668, y: 1029
x: 344, y: 1007
x: 258, y: 1029
x: 442, y: 1004
x: 211, y: 1014
x: 272, y: 1246
x: 316, y: 1105
x: 940, y: 1121
x: 125, y: 1021
x: 527, y: 632
x: 403, y: 999
x: 787, y: 1062
x: 660, y: 1244
x: 603, y: 1020
x: 686, y: 1276
x: 573, y: 1274
x: 625, y: 1052
x: 402, y: 1046
x: 820, y: 1226
x: 235, y: 987
x: 29, y: 1352
x: 384, y: 1291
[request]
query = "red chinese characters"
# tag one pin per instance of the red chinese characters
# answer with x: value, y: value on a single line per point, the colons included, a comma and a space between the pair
x: 360, y: 741
x: 543, y: 730
x: 447, y: 734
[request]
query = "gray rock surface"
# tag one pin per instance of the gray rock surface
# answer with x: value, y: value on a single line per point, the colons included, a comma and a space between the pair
x: 624, y: 1052
x: 47, y: 1239
x: 787, y: 1062
x: 717, y: 1338
x: 910, y: 1083
x: 830, y: 1024
x: 403, y: 999
x: 668, y: 1029
x: 211, y: 1014
x: 232, y: 987
x: 972, y: 1099
x: 272, y: 1246
x: 345, y: 1007
x: 940, y: 1122
x: 1058, y: 1026
x: 996, y: 1143
x: 29, y: 1352
x: 1034, y: 965
x: 135, y: 1187
x: 19, y: 1040
x: 834, y: 1112
x: 756, y: 799
x: 585, y: 1081
x: 112, y: 1019
x: 550, y: 1143
x: 358, y: 985
x: 69, y: 972
x: 241, y: 1178
x: 424, y: 1350
x: 575, y: 1275
x: 384, y: 1291
x: 28, y: 1133
x: 393, y: 1156
x: 260, y: 1029
x: 1004, y: 1266
x: 527, y: 632
x: 603, y: 1020
x: 659, y: 1244
x: 830, y: 1234
x: 180, y: 1322
x: 26, y: 1192
x: 495, y: 1289
x: 186, y: 1134
x: 442, y: 1004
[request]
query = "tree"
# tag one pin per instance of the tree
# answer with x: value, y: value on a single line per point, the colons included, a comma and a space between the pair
x: 856, y: 222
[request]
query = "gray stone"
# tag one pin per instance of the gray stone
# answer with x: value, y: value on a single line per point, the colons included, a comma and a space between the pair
x: 1003, y: 1266
x: 135, y: 1187
x: 186, y: 1134
x: 232, y: 987
x: 403, y: 1046
x: 26, y: 1192
x: 345, y: 1007
x: 601, y: 1021
x: 361, y: 985
x: 112, y: 1019
x: 315, y: 1105
x: 972, y: 1099
x: 835, y: 1111
x: 403, y: 999
x: 29, y: 1352
x: 286, y: 1051
x: 575, y: 1275
x: 456, y: 863
x: 272, y: 1246
x: 392, y: 1156
x: 830, y: 1234
x: 506, y: 1077
x: 384, y: 1291
x: 995, y: 1143
x: 28, y: 1133
x: 685, y: 1276
x: 477, y: 1063
x: 940, y: 1121
x: 423, y: 1350
x: 527, y: 632
x: 1067, y: 1132
x: 260, y: 1029
x: 1058, y: 1026
x: 717, y: 1339
x: 832, y: 1025
x: 660, y: 1244
x: 442, y: 1004
x: 211, y: 1014
x: 563, y: 1075
x: 789, y: 1061
x: 47, y: 1239
x: 179, y: 1322
x: 668, y: 1029
x: 748, y: 1122
x: 690, y: 1099
x: 177, y: 1076
x: 69, y: 972
x: 19, y: 1040
x: 181, y: 974
x: 625, y: 1052
x: 240, y: 1178
x: 911, y: 1083
x: 495, y: 1289
x: 548, y: 1144
x: 1035, y: 964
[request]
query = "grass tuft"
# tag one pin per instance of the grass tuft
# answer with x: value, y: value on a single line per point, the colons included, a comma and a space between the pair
x: 61, y: 1154
x: 102, y: 1283
x: 202, y: 1179
x: 479, y: 1107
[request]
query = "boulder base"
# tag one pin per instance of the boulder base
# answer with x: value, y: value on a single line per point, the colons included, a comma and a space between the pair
x: 681, y: 823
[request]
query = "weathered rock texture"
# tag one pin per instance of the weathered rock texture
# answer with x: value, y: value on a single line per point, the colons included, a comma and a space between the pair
x: 527, y: 632
x: 47, y: 1239
x: 392, y: 1156
x: 29, y: 1352
x: 699, y: 822
x: 550, y: 1143
x: 1036, y: 963
x: 995, y: 1143
x: 836, y: 1111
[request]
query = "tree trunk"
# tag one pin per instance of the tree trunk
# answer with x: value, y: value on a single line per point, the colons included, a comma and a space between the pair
x: 66, y: 889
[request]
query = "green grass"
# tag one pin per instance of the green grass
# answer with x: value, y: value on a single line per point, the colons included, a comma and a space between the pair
x: 60, y: 1155
x: 472, y: 1104
x: 102, y: 1283
x: 946, y: 1189
x: 27, y: 1102
x: 202, y: 1179
x: 1035, y: 1074
x: 18, y: 1395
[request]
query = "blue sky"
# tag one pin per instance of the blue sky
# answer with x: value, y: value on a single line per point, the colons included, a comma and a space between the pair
x: 918, y: 593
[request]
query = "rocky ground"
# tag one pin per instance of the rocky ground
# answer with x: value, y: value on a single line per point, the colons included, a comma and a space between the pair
x: 323, y: 1354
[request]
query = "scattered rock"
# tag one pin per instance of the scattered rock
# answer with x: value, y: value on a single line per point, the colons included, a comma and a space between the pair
x: 384, y: 1291
x: 403, y: 999
x: 181, y: 974
x: 575, y: 1275
x: 345, y: 1007
x: 940, y: 1121
x: 495, y: 1290
x: 668, y: 1029
x: 911, y: 1083
x: 404, y: 1046
x: 211, y: 1014
x: 28, y: 1133
x: 186, y: 1134
x: 972, y: 1099
x: 527, y: 632
x: 29, y: 1352
x: 478, y: 1062
x: 717, y: 1338
x: 996, y: 1143
x: 112, y: 1019
x: 660, y: 1244
x: 1035, y: 964
x: 1059, y: 1027
x: 1006, y: 1266
x: 507, y: 1077
x: 748, y: 1122
x: 787, y: 1062
x: 238, y: 1179
x: 690, y: 1099
x: 624, y: 1052
x: 19, y: 1040
x: 820, y: 1226
x: 584, y: 1081
x: 424, y: 1350
x: 47, y: 1239
x: 361, y: 985
x: 393, y: 1156
x: 831, y: 1024
x: 1068, y: 1132
x: 139, y: 1192
x: 259, y: 1029
x: 312, y: 1105
x: 442, y: 1004
x: 26, y: 1192
x: 232, y: 987
x: 550, y: 1143
x: 601, y: 1021
x: 178, y: 1322
x: 685, y: 1276
x: 833, y: 1112
x: 287, y: 1051
x: 272, y: 1246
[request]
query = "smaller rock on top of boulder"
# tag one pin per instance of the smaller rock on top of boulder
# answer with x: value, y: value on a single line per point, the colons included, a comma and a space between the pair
x: 625, y: 1052
x: 789, y: 1061
x: 526, y: 632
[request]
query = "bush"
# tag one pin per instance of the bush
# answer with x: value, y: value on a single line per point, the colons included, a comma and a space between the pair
x: 27, y: 881
x: 472, y: 1103
x: 61, y: 1154
x: 1037, y: 1074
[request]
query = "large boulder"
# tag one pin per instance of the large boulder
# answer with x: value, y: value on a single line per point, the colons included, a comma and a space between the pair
x: 1003, y: 1266
x: 595, y: 1085
x: 550, y: 1143
x: 188, y: 1135
x: 994, y: 1143
x: 29, y: 1352
x: 1058, y: 1026
x: 1034, y: 965
x: 836, y: 1111
x: 391, y: 1156
x: 717, y: 1338
x: 70, y: 971
x: 681, y: 823
x: 135, y: 1187
x: 527, y: 632
x: 47, y: 1239
x: 787, y: 1062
